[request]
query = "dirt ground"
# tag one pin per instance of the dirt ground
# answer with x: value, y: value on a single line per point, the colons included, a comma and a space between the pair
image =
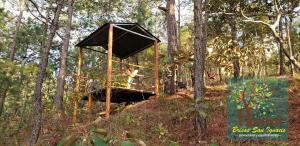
x: 169, y: 121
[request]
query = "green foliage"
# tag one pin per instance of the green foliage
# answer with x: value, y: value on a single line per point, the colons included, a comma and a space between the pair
x: 96, y: 137
x: 221, y: 54
x: 71, y: 140
x: 130, y: 119
x: 198, y: 107
x: 30, y: 35
x: 173, y: 143
x: 3, y: 26
x: 127, y: 143
x: 11, y: 73
x: 99, y: 141
x: 18, y: 82
x: 161, y: 130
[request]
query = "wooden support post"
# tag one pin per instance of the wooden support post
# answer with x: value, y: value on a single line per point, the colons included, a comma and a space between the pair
x: 121, y: 66
x: 77, y: 88
x: 90, y: 103
x: 109, y: 70
x: 156, y: 83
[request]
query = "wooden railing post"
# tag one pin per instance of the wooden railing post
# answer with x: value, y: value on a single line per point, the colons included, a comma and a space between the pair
x: 121, y: 66
x: 90, y: 102
x: 77, y: 88
x: 156, y: 82
x: 109, y: 70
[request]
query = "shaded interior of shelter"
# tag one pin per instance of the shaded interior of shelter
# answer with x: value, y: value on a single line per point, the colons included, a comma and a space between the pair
x: 120, y: 95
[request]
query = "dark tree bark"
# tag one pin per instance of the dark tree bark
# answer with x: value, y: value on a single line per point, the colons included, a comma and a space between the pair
x: 204, y: 35
x: 19, y: 83
x: 2, y: 98
x: 24, y: 106
x: 11, y: 56
x: 63, y: 62
x: 281, y: 47
x: 220, y: 74
x: 234, y: 47
x: 236, y: 60
x: 199, y: 59
x: 172, y: 41
x: 3, y: 92
x: 13, y: 48
x: 180, y: 69
x: 37, y: 101
x: 178, y: 25
x: 198, y: 68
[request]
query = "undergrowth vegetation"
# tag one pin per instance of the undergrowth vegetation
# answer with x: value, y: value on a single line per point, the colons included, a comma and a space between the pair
x: 168, y: 121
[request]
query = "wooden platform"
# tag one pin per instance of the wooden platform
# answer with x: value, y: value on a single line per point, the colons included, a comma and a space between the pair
x: 121, y: 95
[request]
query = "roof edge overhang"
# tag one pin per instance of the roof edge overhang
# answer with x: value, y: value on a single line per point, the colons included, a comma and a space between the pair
x: 119, y: 26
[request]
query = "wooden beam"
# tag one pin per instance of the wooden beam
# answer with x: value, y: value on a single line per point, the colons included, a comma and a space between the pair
x: 121, y: 66
x: 156, y: 83
x: 96, y: 50
x: 134, y: 32
x: 90, y: 103
x: 120, y: 36
x: 129, y: 64
x: 109, y: 70
x: 77, y: 88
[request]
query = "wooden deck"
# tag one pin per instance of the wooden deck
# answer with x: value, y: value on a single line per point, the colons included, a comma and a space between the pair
x: 121, y: 95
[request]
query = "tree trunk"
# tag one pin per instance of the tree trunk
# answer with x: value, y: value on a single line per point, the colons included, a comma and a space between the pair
x: 25, y: 96
x: 172, y: 41
x: 13, y: 48
x: 220, y: 74
x: 236, y: 62
x: 19, y: 84
x: 198, y: 69
x: 63, y: 63
x: 281, y: 41
x: 180, y: 69
x: 266, y: 66
x: 259, y: 64
x: 288, y: 35
x: 47, y: 21
x: 204, y: 41
x: 290, y: 57
x: 2, y: 97
x: 37, y: 101
x: 199, y: 60
x: 178, y: 26
x: 281, y: 55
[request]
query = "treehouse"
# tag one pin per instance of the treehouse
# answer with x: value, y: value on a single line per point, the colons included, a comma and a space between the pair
x: 113, y: 84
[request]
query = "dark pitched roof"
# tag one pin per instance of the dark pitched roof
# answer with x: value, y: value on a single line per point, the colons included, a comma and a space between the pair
x: 128, y: 39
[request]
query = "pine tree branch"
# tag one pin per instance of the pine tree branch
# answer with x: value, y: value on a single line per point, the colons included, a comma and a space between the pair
x: 37, y: 9
x: 163, y: 8
x: 36, y: 17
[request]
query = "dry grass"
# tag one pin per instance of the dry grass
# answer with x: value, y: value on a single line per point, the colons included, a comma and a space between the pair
x: 168, y: 121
